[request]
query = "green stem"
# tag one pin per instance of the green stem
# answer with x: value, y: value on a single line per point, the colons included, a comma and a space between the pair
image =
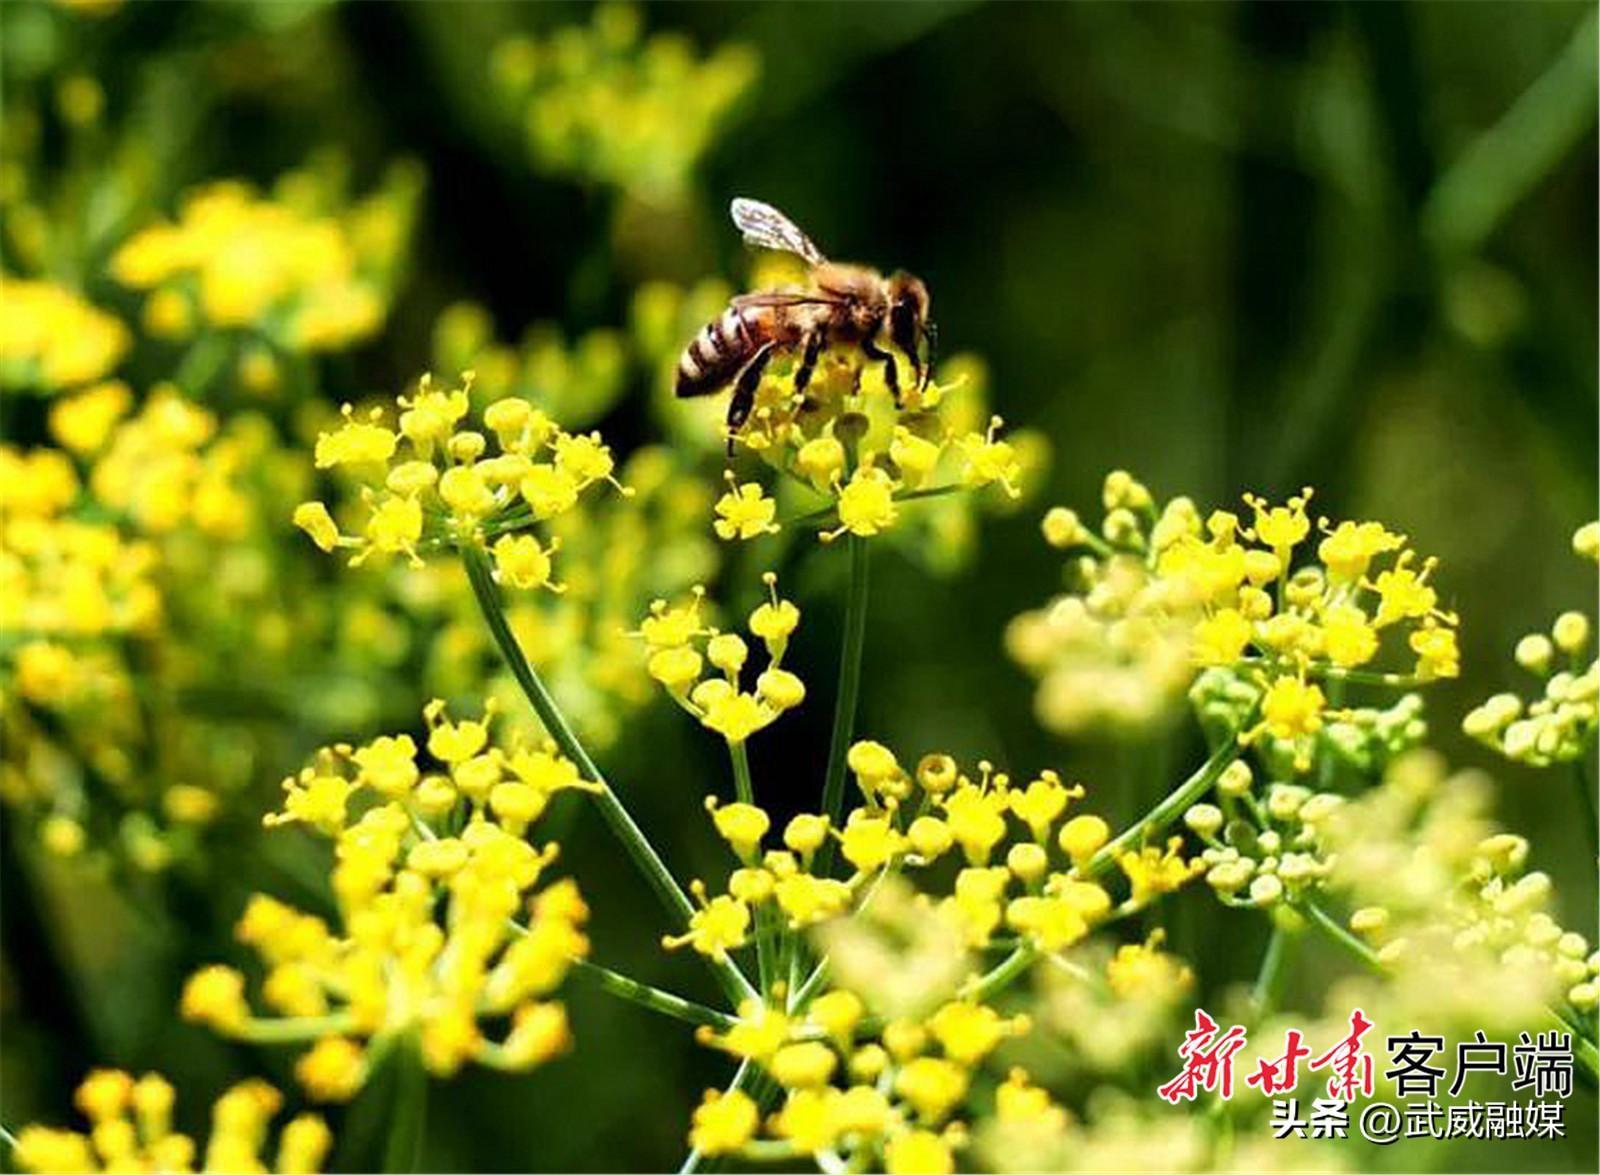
x: 1274, y: 966
x: 844, y: 713
x: 1003, y: 974
x: 408, y: 1122
x: 1591, y: 822
x: 1168, y: 810
x: 293, y: 1029
x: 745, y: 791
x: 743, y: 788
x: 1336, y: 933
x: 664, y: 1002
x: 616, y: 815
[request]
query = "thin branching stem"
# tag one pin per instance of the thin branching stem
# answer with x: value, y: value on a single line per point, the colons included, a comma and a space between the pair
x: 616, y: 815
x: 844, y: 713
x: 653, y: 998
x: 744, y: 790
x: 1171, y: 808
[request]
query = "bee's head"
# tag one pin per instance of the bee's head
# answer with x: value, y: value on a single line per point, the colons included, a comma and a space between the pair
x: 909, y: 324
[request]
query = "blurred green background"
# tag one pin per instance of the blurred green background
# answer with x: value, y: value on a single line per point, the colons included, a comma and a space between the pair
x: 1227, y: 246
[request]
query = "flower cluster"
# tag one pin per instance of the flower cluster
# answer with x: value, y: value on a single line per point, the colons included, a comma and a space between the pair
x: 1022, y: 864
x: 52, y: 339
x: 1161, y: 593
x: 866, y: 452
x: 605, y: 104
x: 680, y: 644
x: 432, y: 873
x: 1449, y: 902
x: 1558, y: 727
x: 302, y: 266
x: 859, y: 1092
x: 1262, y: 850
x: 130, y: 1124
x: 429, y: 481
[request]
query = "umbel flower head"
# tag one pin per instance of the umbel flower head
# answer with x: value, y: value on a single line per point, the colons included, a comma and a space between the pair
x: 130, y: 1129
x: 1449, y: 902
x: 606, y: 103
x: 681, y: 647
x: 877, y: 1094
x: 1021, y: 864
x: 303, y: 265
x: 443, y: 932
x: 1559, y: 726
x: 51, y: 339
x: 432, y: 480
x: 850, y: 443
x: 1161, y: 593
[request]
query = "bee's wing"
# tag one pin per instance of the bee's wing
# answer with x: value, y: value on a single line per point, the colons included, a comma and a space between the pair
x: 787, y: 298
x: 766, y: 228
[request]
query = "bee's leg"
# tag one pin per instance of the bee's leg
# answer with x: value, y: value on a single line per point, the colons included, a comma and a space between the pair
x: 891, y: 371
x: 815, y: 342
x: 744, y: 392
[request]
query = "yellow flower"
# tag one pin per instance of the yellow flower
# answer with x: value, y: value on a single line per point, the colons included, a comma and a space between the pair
x: 803, y: 1064
x: 1281, y: 527
x: 1349, y: 548
x: 719, y: 926
x: 1348, y: 638
x: 866, y: 504
x: 933, y: 1086
x: 522, y: 563
x: 333, y: 1070
x: 1221, y: 638
x: 1436, y: 650
x: 214, y: 996
x: 1152, y: 872
x: 1403, y: 593
x: 355, y: 442
x: 84, y: 421
x: 1292, y: 708
x: 723, y: 1122
x: 314, y: 519
x: 918, y: 1152
x: 745, y: 512
x: 968, y: 1032
x: 988, y: 461
x: 741, y: 825
x: 736, y: 716
x: 132, y: 1131
x: 54, y: 338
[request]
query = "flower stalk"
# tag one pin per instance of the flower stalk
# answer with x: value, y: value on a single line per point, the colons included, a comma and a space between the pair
x: 844, y: 714
x: 1160, y: 817
x: 616, y: 815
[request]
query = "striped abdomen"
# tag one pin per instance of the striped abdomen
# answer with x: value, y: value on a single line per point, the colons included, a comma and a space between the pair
x: 723, y: 346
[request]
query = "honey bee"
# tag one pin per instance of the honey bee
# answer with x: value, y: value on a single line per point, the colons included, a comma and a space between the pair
x: 849, y: 305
